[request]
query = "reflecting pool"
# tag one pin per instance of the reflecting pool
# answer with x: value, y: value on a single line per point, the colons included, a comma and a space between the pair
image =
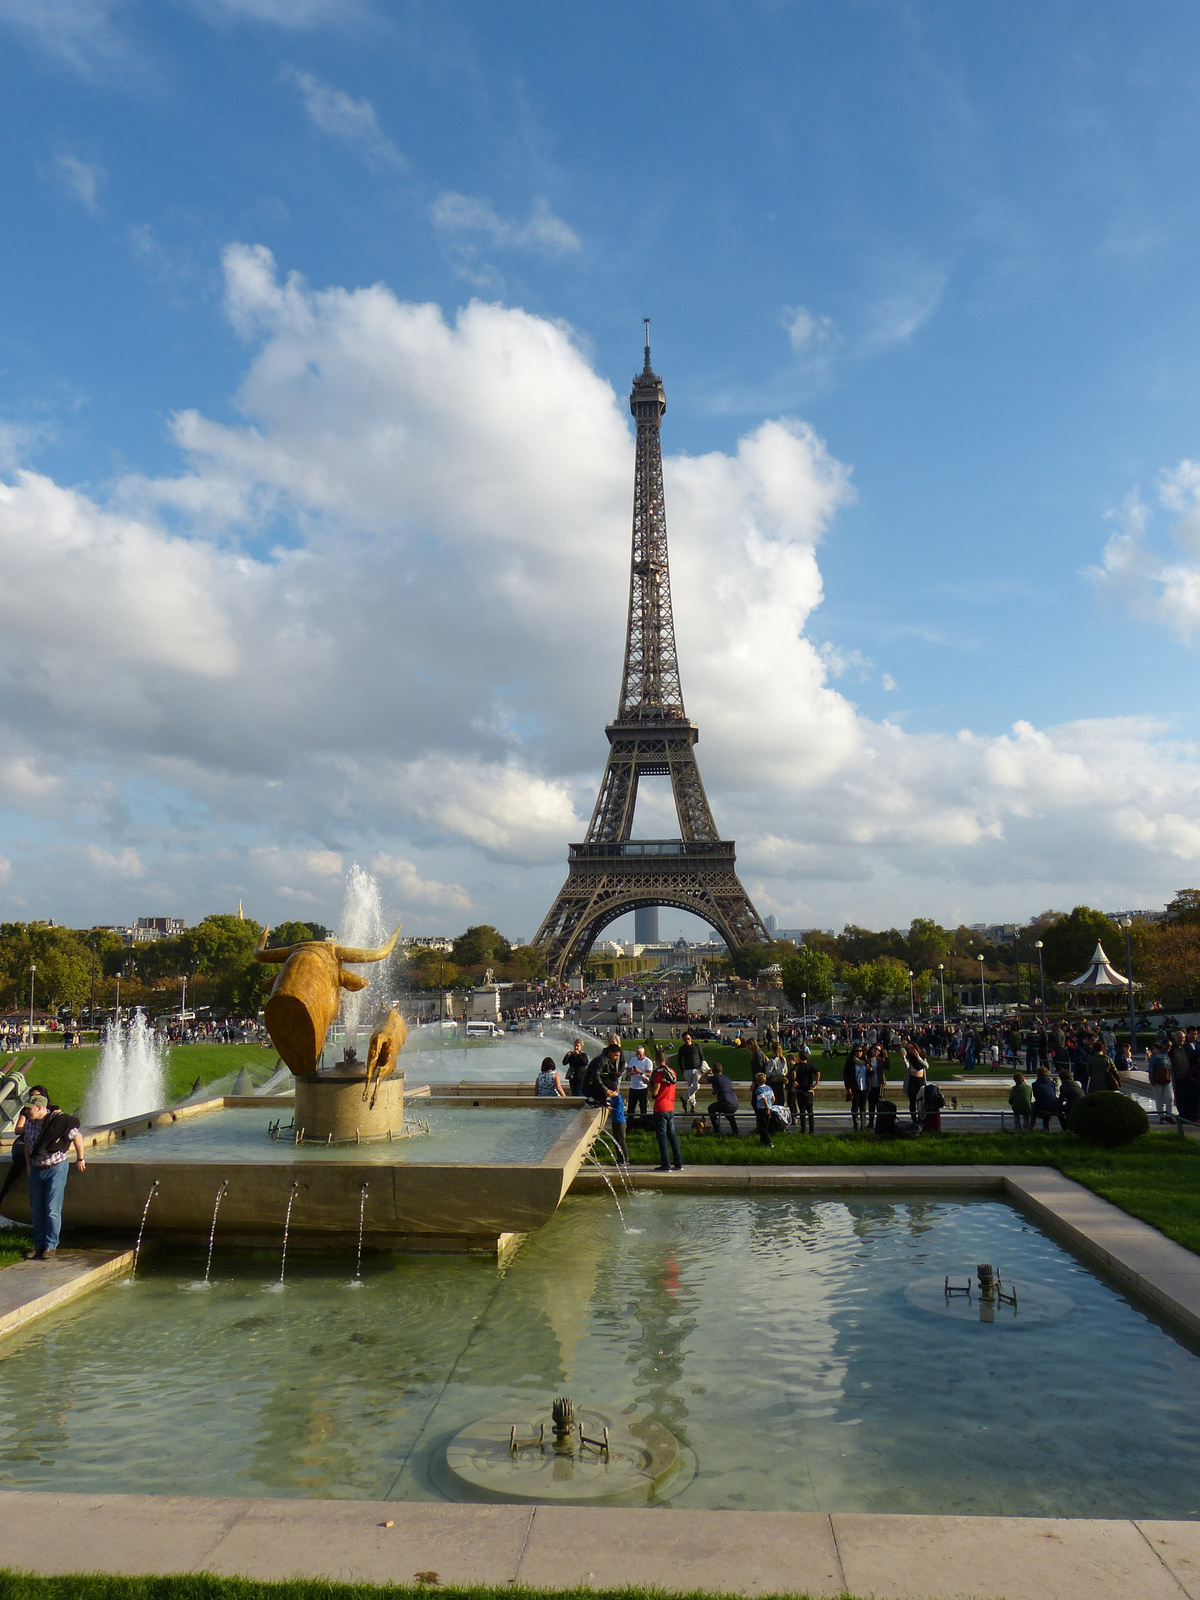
x: 790, y: 1343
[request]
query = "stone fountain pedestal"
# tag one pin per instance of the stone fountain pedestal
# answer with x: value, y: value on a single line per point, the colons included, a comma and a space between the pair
x: 331, y: 1107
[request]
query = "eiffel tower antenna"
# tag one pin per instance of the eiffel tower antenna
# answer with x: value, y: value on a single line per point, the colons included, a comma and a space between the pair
x: 610, y: 872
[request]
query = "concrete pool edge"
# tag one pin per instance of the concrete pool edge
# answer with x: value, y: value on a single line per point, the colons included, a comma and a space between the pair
x: 1160, y: 1272
x: 741, y: 1552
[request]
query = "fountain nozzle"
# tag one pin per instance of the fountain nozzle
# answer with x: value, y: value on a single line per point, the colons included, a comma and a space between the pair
x: 563, y: 1414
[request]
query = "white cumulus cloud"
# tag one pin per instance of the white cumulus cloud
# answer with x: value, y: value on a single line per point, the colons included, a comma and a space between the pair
x: 418, y: 673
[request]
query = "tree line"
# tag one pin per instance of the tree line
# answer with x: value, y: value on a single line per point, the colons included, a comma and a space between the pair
x: 875, y: 966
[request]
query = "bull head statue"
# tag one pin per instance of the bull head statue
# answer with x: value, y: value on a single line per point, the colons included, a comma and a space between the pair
x: 306, y: 995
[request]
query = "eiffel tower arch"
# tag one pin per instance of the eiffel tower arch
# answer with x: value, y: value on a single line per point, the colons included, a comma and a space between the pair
x: 610, y: 872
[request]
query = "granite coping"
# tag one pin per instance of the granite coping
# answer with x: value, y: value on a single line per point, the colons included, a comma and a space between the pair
x: 29, y: 1289
x: 739, y: 1552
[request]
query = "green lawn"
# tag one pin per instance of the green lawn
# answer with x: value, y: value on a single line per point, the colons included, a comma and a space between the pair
x: 67, y: 1073
x: 13, y: 1241
x: 16, y: 1586
x: 1157, y: 1178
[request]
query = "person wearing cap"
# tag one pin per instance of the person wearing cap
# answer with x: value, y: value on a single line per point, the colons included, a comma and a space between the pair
x: 51, y: 1138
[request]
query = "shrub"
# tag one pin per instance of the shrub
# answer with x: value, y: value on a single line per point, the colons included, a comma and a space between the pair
x: 1108, y: 1118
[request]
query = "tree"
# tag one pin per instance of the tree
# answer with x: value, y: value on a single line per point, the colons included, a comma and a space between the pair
x: 481, y: 946
x: 222, y: 949
x: 1067, y: 944
x: 63, y: 959
x: 431, y: 969
x: 1171, y: 966
x: 927, y: 943
x: 857, y: 945
x: 877, y: 982
x: 297, y: 933
x: 808, y: 972
x: 1185, y: 907
x: 750, y: 959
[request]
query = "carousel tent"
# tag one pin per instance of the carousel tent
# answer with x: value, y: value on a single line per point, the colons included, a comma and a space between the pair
x: 1101, y: 974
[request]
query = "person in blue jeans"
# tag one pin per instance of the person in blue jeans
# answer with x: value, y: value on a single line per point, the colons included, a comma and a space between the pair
x: 662, y: 1087
x: 51, y: 1138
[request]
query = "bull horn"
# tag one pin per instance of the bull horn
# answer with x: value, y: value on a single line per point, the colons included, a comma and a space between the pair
x: 280, y: 953
x: 347, y: 952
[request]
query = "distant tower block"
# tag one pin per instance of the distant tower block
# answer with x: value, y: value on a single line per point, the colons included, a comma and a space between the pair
x: 610, y: 873
x: 645, y: 925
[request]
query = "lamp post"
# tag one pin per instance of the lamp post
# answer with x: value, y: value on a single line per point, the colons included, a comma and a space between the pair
x: 32, y: 971
x: 942, y: 988
x: 92, y: 1002
x: 982, y: 989
x: 912, y: 1007
x: 1041, y: 979
x: 1127, y: 924
x: 804, y: 1011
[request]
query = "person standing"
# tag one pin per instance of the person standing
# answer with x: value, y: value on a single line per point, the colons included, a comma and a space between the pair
x: 854, y: 1076
x: 576, y: 1062
x: 763, y: 1102
x: 689, y: 1064
x: 1181, y: 1065
x: 639, y: 1082
x: 604, y: 1073
x: 877, y: 1065
x: 916, y: 1070
x: 616, y: 1123
x: 662, y: 1088
x: 1161, y: 1086
x: 803, y: 1079
x: 52, y: 1139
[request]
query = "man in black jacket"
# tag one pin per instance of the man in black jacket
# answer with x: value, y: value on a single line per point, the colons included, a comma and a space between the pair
x: 604, y: 1073
x: 50, y: 1137
x: 726, y: 1103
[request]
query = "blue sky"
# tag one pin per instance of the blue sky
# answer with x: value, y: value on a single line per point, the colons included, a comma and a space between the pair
x: 946, y: 252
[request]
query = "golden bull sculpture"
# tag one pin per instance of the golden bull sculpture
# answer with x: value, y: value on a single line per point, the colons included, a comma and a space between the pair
x: 386, y: 1044
x: 306, y: 995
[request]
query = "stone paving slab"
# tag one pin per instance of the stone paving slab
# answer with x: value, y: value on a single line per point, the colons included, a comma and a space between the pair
x: 749, y: 1552
x: 30, y: 1288
x: 952, y: 1558
x: 1177, y: 1545
x: 741, y: 1552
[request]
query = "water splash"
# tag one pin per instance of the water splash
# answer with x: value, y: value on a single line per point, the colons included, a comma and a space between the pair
x: 131, y: 1077
x: 600, y: 1169
x: 362, y: 1211
x: 212, y: 1232
x: 287, y: 1222
x: 137, y: 1249
x: 362, y: 923
x: 607, y: 1142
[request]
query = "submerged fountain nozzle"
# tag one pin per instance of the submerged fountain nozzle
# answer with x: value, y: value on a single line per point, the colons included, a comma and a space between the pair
x: 563, y: 1416
x: 989, y: 1279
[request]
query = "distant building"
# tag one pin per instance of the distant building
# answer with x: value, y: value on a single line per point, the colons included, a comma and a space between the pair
x: 1136, y: 916
x: 796, y: 935
x: 645, y: 925
x: 997, y: 932
x: 431, y: 941
x: 772, y: 923
x: 163, y: 927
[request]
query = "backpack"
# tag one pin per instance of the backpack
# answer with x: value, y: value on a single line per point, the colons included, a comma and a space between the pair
x: 934, y: 1099
x: 1160, y: 1069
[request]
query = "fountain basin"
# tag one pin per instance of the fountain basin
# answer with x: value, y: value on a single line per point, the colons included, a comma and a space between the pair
x: 437, y: 1192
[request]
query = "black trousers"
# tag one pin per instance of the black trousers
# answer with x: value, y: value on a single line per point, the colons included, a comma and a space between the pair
x: 872, y: 1104
x: 716, y: 1112
x: 639, y: 1101
x: 800, y: 1104
x: 762, y: 1120
x: 858, y: 1107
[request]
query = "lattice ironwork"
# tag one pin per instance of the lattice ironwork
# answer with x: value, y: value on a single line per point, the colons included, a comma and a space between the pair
x: 610, y: 873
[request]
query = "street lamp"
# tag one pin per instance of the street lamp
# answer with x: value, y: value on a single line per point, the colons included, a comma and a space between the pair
x: 912, y: 1009
x: 32, y: 970
x: 92, y: 1004
x: 1041, y: 979
x: 982, y: 988
x: 1127, y: 924
x: 804, y: 1010
x: 942, y: 988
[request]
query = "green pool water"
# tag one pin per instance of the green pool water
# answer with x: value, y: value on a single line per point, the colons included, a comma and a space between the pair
x: 456, y: 1133
x: 787, y: 1342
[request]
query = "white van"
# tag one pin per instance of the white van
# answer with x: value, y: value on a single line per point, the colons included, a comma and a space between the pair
x: 482, y: 1030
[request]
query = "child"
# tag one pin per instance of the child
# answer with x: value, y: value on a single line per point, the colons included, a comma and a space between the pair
x: 616, y: 1123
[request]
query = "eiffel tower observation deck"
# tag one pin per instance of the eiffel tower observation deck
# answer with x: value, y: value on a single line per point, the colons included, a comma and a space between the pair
x: 609, y: 872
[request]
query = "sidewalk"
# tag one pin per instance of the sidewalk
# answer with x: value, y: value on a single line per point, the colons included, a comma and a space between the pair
x: 741, y: 1552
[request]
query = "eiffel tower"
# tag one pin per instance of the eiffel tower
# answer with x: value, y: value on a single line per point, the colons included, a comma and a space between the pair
x: 611, y: 873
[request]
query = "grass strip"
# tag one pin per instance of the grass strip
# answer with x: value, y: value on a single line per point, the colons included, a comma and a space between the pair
x: 203, y: 1586
x: 1157, y: 1178
x: 67, y: 1073
x: 14, y: 1241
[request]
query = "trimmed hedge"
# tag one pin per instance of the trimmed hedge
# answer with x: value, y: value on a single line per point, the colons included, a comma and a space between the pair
x: 1108, y: 1118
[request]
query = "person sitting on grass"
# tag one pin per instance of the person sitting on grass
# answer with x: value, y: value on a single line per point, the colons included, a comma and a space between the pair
x: 1021, y: 1100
